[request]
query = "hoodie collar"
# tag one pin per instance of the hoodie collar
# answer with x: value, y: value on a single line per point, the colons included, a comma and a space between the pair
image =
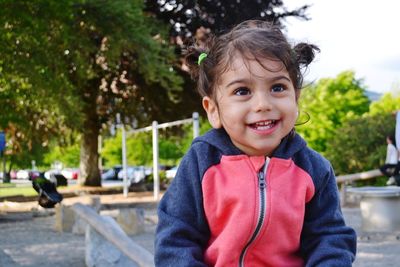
x: 218, y: 138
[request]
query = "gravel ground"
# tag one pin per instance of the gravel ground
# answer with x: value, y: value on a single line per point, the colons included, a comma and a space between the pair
x: 29, y: 239
x: 373, y: 249
x: 32, y: 241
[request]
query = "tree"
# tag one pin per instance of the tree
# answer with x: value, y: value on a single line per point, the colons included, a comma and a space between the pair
x: 103, y: 57
x: 330, y: 103
x: 388, y: 103
x: 188, y: 16
x: 197, y: 19
x: 29, y: 120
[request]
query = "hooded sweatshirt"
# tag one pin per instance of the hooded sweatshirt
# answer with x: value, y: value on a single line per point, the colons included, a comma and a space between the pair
x: 225, y: 208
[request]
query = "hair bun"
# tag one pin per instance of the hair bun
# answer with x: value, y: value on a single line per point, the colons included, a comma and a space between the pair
x: 191, y: 60
x: 305, y: 53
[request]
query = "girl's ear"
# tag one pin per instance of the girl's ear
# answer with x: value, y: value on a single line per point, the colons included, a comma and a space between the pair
x: 211, y: 108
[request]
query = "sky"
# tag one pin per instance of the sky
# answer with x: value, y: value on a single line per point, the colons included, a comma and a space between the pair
x: 358, y: 35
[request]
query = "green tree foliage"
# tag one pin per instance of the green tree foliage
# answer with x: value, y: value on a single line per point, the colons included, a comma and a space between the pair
x: 138, y: 148
x: 330, y: 103
x: 360, y: 144
x: 67, y: 155
x: 91, y: 59
x: 388, y: 103
x: 29, y: 120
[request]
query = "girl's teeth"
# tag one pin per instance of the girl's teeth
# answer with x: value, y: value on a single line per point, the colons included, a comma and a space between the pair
x: 263, y: 125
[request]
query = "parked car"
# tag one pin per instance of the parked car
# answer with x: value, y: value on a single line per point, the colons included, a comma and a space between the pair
x: 70, y: 173
x: 111, y: 174
x: 13, y: 174
x: 170, y: 174
x: 27, y: 174
x: 48, y: 173
x: 135, y: 174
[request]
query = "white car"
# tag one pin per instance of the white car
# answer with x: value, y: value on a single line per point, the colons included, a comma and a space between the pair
x: 27, y: 174
x: 70, y: 173
x: 48, y: 173
x: 135, y: 174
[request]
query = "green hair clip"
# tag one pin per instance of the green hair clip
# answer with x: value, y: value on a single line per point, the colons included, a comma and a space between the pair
x: 202, y: 56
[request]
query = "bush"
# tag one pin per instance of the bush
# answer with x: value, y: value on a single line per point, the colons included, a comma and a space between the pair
x: 360, y: 144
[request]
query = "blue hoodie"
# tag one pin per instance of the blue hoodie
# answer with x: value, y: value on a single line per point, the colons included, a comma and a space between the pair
x: 225, y: 208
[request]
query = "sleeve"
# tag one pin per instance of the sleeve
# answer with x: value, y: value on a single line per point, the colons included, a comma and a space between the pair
x: 182, y: 231
x: 326, y: 240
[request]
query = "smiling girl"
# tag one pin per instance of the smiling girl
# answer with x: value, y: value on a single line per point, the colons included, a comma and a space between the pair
x: 250, y: 192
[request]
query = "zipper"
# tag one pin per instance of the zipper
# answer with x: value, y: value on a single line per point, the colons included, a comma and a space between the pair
x: 261, y: 214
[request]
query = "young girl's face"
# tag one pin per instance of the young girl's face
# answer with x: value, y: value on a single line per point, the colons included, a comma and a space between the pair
x: 256, y: 105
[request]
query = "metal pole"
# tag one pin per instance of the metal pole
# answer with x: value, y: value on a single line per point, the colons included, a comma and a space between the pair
x: 156, y: 180
x: 124, y: 164
x: 196, y: 127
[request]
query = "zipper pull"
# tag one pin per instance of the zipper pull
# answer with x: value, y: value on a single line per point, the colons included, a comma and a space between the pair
x: 261, y: 180
x: 261, y: 174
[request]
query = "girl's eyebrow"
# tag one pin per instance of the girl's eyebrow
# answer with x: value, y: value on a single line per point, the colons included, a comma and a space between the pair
x: 240, y: 80
x: 273, y: 79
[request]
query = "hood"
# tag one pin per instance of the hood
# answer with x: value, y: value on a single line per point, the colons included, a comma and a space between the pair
x: 219, y: 139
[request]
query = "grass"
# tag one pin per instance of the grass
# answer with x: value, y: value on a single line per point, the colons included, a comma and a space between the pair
x: 7, y: 190
x: 11, y: 189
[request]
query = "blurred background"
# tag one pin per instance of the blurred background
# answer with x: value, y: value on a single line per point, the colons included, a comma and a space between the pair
x: 67, y: 68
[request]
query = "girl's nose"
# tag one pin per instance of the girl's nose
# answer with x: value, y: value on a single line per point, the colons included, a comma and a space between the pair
x: 262, y: 102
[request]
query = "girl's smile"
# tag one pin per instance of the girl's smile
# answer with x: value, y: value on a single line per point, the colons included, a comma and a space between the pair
x: 263, y: 126
x: 255, y: 102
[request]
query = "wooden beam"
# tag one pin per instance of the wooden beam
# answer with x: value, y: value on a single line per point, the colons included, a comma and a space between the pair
x: 358, y: 176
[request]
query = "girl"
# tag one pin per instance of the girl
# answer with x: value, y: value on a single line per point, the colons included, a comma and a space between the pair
x: 250, y: 192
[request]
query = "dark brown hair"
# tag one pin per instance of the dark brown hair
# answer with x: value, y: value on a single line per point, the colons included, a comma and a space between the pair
x: 253, y: 39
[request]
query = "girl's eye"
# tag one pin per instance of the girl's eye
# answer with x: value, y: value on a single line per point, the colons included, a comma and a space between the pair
x: 278, y: 88
x: 242, y: 91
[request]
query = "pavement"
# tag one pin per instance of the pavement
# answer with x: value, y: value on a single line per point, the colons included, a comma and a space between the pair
x: 28, y: 237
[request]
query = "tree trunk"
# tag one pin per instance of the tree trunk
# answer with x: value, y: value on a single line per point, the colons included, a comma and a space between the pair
x: 89, y: 173
x: 89, y: 169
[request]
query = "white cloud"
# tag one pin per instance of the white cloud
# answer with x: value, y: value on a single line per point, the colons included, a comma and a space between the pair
x: 352, y: 34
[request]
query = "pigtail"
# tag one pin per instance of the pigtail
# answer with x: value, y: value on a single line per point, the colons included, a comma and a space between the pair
x: 199, y: 61
x: 305, y: 53
x: 191, y: 60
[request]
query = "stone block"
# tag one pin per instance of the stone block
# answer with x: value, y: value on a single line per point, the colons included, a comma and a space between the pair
x: 67, y: 221
x: 102, y: 253
x: 64, y: 219
x: 132, y: 220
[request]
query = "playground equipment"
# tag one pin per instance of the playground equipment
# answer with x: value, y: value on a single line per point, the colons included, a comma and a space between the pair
x: 48, y: 194
x: 154, y: 128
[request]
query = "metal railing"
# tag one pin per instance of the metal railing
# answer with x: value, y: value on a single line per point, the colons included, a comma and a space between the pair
x: 344, y: 180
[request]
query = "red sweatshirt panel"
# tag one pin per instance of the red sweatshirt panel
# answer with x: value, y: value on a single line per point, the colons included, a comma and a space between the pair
x: 231, y: 203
